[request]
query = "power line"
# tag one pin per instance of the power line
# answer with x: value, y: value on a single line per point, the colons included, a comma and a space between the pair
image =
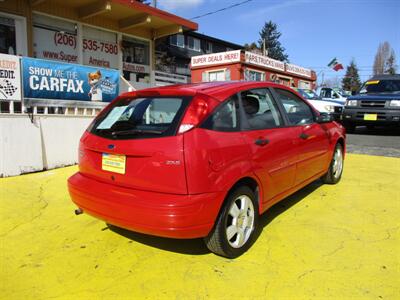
x: 221, y: 9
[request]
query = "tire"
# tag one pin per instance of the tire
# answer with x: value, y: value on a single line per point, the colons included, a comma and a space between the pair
x: 238, y: 218
x: 335, y: 170
x: 350, y: 128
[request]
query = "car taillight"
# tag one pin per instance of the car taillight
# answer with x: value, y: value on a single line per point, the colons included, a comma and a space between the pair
x: 198, y: 109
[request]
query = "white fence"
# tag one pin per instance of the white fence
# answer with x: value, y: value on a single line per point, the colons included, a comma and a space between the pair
x: 42, y: 142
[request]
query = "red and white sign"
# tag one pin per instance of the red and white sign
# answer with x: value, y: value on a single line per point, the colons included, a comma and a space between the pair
x: 264, y: 61
x: 136, y: 68
x: 297, y: 70
x: 10, y: 78
x: 216, y: 58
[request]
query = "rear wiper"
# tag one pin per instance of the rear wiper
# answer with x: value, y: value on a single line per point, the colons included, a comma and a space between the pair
x: 135, y: 131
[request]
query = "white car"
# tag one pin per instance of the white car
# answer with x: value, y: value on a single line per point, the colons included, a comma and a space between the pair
x: 334, y: 94
x: 322, y: 105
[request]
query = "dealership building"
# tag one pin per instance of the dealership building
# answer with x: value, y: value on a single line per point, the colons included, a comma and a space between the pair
x: 117, y: 34
x: 50, y: 54
x: 244, y: 65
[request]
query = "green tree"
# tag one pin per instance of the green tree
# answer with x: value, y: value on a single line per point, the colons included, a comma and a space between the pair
x: 271, y: 35
x: 251, y: 47
x: 351, y: 81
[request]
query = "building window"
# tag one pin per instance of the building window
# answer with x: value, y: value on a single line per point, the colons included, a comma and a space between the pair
x: 177, y: 40
x: 54, y: 39
x: 100, y: 48
x: 253, y: 75
x: 135, y: 51
x: 216, y: 76
x: 304, y: 84
x: 13, y: 36
x: 136, y: 60
x: 193, y: 43
x: 209, y: 48
x: 7, y: 36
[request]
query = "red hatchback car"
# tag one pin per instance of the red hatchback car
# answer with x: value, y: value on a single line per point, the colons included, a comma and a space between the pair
x: 203, y: 160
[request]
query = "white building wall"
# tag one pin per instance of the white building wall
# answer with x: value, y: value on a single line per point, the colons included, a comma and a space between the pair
x: 48, y: 142
x: 20, y: 146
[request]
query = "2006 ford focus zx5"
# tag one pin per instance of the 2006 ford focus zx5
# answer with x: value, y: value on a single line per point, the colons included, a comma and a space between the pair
x: 203, y: 160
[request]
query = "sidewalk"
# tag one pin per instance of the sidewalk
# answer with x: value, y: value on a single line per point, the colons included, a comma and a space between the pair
x: 324, y: 242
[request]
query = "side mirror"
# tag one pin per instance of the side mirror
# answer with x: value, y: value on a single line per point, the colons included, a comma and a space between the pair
x: 325, y: 118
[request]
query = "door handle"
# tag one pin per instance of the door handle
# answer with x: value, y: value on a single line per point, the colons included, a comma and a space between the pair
x: 304, y: 136
x: 261, y: 142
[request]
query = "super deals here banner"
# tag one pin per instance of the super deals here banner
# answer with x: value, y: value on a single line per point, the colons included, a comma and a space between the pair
x: 45, y: 79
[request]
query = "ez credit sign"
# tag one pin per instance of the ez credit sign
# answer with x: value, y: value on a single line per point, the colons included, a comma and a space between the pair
x: 10, y: 78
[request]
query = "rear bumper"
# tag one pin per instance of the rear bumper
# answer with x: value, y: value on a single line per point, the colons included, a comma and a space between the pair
x: 355, y: 116
x: 167, y: 215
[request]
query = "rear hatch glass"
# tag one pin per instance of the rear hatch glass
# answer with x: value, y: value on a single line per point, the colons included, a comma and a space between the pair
x: 134, y: 144
x: 141, y: 118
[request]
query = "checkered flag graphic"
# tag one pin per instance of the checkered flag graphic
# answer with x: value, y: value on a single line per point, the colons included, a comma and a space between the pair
x: 7, y: 87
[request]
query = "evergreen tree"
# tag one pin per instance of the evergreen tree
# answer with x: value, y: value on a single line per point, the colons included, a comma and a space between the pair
x: 351, y: 81
x: 271, y: 35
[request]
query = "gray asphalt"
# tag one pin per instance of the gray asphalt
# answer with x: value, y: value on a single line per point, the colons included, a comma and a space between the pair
x: 378, y: 141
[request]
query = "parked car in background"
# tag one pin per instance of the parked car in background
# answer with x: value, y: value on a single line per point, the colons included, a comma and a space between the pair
x: 203, y: 160
x: 377, y: 103
x: 331, y: 107
x: 334, y: 94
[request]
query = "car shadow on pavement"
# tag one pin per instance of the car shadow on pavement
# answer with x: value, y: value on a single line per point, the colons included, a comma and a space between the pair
x: 285, y: 204
x: 378, y: 130
x: 197, y: 246
x: 183, y: 246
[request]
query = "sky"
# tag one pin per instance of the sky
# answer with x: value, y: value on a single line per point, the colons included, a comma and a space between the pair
x: 313, y: 31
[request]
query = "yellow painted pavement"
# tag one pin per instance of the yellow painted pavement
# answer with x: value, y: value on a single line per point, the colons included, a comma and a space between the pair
x: 325, y: 242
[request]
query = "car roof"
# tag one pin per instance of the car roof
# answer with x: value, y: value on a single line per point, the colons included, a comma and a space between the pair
x: 217, y: 89
x: 385, y: 77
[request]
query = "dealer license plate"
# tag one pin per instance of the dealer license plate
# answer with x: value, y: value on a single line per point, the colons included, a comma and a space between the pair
x: 370, y: 117
x: 113, y: 163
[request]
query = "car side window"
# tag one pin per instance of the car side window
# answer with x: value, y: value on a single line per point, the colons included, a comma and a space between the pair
x: 297, y: 110
x: 225, y: 118
x: 260, y: 109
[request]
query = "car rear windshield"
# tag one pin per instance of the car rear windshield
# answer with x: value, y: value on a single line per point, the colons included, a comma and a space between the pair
x: 133, y: 118
x: 308, y: 94
x: 380, y: 86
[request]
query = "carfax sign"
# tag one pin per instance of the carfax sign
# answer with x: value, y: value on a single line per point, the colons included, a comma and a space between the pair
x: 10, y: 78
x: 44, y: 79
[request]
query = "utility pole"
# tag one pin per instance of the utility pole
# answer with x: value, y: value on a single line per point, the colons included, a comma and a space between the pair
x: 265, y: 51
x: 155, y: 3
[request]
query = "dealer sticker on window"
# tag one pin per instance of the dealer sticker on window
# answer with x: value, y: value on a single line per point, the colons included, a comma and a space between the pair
x: 113, y: 163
